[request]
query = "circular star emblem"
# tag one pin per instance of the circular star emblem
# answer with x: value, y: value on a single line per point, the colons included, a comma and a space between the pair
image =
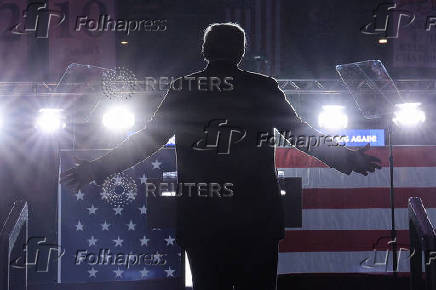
x: 119, y: 190
x: 118, y: 83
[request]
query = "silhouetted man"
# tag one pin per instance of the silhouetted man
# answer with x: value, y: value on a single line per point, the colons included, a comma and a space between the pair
x: 230, y: 215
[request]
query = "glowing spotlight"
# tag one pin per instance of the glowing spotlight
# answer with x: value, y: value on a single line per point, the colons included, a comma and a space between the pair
x: 124, y: 42
x: 409, y: 115
x: 50, y: 120
x: 118, y: 118
x: 383, y: 41
x: 333, y: 117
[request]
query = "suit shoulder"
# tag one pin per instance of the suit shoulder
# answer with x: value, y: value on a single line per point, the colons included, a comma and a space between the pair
x: 258, y: 77
x: 185, y: 78
x: 193, y: 74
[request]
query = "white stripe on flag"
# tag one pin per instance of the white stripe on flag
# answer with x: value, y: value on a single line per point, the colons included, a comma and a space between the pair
x: 357, y: 219
x: 339, y: 262
x: 331, y: 178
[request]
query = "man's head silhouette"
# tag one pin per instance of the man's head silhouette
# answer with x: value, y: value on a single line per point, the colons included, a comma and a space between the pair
x: 224, y: 41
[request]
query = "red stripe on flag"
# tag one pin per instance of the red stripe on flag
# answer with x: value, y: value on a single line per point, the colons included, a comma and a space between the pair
x: 293, y: 158
x: 350, y: 198
x: 340, y: 240
x: 404, y: 156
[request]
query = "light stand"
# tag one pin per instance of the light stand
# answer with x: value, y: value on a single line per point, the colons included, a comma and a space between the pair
x: 380, y: 93
x: 393, y: 241
x: 408, y: 115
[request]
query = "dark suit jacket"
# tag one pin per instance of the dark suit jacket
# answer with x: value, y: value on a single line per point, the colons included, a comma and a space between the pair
x: 218, y: 134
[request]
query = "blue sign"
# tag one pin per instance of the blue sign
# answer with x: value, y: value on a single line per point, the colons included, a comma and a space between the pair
x: 358, y: 138
x: 171, y: 142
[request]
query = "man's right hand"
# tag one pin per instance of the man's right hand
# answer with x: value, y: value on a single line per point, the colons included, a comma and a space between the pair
x: 78, y: 176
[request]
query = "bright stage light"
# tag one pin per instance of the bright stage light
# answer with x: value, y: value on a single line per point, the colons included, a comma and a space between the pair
x: 118, y: 118
x: 333, y: 117
x: 408, y: 115
x: 50, y: 120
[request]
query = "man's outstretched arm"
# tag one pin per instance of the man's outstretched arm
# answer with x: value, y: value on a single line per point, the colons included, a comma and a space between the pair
x: 327, y: 150
x: 132, y: 150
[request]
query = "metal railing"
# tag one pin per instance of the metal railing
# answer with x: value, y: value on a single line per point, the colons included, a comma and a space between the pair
x: 289, y: 86
x: 422, y: 241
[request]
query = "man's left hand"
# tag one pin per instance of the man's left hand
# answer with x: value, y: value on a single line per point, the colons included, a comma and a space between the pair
x: 361, y: 162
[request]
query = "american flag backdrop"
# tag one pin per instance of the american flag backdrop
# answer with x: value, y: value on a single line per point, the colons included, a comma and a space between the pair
x: 347, y: 219
x: 88, y: 224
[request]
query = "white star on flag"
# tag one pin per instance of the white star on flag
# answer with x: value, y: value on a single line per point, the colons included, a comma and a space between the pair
x: 170, y: 241
x: 118, y: 242
x: 79, y: 226
x: 118, y: 273
x: 104, y: 195
x: 92, y: 241
x: 144, y: 241
x: 118, y: 210
x: 157, y: 257
x: 131, y: 195
x: 79, y: 195
x: 92, y: 272
x: 92, y: 209
x: 170, y: 272
x: 156, y: 164
x: 131, y: 226
x: 143, y: 179
x: 144, y: 272
x: 105, y: 226
x: 143, y: 209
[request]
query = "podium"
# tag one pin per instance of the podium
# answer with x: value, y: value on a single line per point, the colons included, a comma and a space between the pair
x: 291, y: 190
x: 161, y: 207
